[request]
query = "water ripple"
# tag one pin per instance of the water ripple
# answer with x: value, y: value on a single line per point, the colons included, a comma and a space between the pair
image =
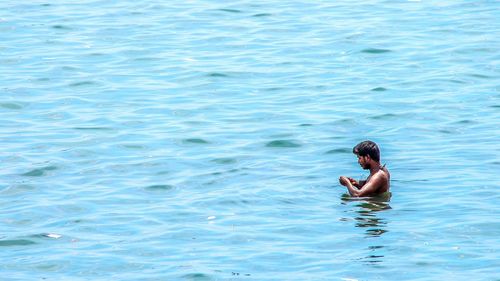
x: 283, y: 144
x: 197, y: 140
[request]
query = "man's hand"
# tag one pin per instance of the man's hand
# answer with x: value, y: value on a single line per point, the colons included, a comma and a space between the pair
x: 344, y: 180
x: 354, y: 182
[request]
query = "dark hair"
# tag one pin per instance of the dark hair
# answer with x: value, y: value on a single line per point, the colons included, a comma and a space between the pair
x: 367, y: 148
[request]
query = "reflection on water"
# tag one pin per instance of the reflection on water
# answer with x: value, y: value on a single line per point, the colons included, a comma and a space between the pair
x: 374, y: 257
x: 367, y: 209
x: 366, y: 218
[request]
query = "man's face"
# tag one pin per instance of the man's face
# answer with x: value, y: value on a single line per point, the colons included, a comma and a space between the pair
x: 363, y: 162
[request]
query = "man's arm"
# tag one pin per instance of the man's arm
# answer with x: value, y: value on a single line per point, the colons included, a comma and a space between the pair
x: 356, y: 183
x: 369, y: 188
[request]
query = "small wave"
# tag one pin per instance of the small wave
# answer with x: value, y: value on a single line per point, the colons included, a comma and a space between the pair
x: 197, y: 277
x: 159, y: 187
x: 282, y: 143
x: 481, y: 76
x: 229, y: 10
x: 375, y: 51
x: 217, y: 74
x: 384, y: 116
x: 16, y: 242
x: 262, y: 15
x: 339, y: 150
x: 12, y: 106
x: 224, y: 160
x: 195, y: 141
x: 82, y: 83
x: 62, y: 27
x: 39, y: 172
x: 93, y: 128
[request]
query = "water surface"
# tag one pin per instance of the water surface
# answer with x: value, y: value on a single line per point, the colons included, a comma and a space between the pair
x: 204, y: 140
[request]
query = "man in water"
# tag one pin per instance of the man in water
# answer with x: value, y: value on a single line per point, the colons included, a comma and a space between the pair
x: 369, y: 159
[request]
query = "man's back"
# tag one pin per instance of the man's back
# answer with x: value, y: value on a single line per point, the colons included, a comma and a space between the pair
x: 386, y: 183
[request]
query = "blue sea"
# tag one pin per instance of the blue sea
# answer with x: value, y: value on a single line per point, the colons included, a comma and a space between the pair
x: 203, y: 140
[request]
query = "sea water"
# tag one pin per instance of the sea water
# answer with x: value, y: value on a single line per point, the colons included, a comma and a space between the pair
x: 203, y: 140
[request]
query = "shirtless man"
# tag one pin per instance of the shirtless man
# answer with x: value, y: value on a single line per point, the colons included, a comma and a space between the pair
x: 379, y: 180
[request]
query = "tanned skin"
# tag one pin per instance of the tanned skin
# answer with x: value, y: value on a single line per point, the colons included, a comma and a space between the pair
x: 377, y: 183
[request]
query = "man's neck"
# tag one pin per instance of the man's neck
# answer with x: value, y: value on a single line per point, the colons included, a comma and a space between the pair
x: 375, y: 167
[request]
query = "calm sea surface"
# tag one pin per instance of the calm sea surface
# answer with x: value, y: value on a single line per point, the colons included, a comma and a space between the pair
x: 203, y: 140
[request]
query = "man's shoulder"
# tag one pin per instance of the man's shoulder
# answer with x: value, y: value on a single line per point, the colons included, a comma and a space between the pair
x: 385, y: 171
x: 383, y: 174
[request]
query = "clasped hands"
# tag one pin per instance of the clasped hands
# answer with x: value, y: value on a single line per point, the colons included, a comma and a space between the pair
x: 344, y: 180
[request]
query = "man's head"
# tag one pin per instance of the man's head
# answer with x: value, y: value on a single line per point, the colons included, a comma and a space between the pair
x: 366, y: 152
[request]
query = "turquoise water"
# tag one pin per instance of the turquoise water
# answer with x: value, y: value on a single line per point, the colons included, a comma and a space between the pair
x: 148, y: 140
